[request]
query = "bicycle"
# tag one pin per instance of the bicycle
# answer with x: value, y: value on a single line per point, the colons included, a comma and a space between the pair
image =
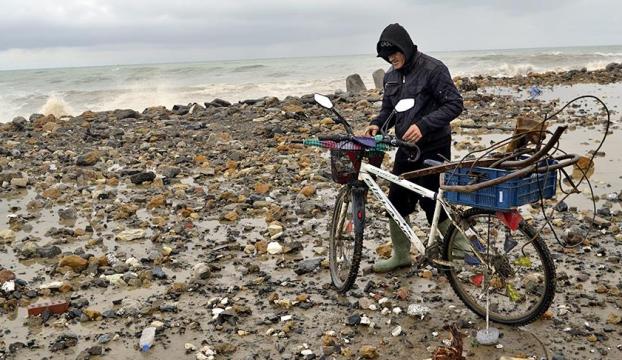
x: 480, y: 253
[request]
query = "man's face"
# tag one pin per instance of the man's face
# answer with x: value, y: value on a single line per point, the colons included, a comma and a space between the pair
x: 397, y: 59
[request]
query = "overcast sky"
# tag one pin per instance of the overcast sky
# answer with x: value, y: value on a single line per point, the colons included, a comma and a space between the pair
x: 42, y: 33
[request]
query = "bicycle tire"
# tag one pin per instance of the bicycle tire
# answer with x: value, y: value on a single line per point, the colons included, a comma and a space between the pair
x: 344, y: 279
x: 548, y: 272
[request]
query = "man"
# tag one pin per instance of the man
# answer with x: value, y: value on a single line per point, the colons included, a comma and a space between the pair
x: 437, y: 102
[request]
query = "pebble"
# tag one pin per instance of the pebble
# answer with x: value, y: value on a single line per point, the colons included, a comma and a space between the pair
x: 274, y: 248
x: 397, y: 331
x: 132, y: 234
x: 6, y: 236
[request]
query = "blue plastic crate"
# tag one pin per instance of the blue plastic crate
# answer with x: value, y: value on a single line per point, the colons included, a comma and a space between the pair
x: 505, y: 196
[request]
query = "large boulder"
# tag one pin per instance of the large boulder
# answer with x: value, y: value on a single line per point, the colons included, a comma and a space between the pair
x: 354, y: 84
x: 378, y: 76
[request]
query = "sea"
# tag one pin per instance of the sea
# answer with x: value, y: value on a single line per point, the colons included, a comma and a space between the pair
x: 70, y: 91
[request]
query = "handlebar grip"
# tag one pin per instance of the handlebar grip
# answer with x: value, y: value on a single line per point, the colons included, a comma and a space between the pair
x: 430, y: 162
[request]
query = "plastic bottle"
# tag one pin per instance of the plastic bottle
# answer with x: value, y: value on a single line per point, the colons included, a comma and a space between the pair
x: 146, y: 339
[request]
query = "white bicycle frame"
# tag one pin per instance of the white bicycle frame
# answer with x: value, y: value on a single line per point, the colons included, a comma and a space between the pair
x: 365, y: 175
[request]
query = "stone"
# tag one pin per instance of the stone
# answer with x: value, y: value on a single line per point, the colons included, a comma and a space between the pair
x: 6, y: 275
x: 293, y: 108
x: 67, y: 214
x: 132, y: 234
x: 385, y: 250
x: 397, y: 331
x: 614, y: 319
x: 402, y: 293
x: 7, y: 236
x: 20, y: 182
x: 92, y: 314
x: 126, y: 114
x: 261, y: 246
x: 75, y: 262
x: 48, y: 251
x: 64, y: 341
x: 417, y: 310
x: 40, y: 121
x: 368, y: 352
x: 170, y: 171
x: 308, y: 190
x: 354, y: 84
x: 262, y: 188
x: 88, y: 159
x: 158, y: 273
x: 275, y: 228
x: 218, y: 103
x: 307, y: 266
x: 274, y: 248
x: 231, y: 216
x: 378, y: 76
x: 561, y: 206
x: 19, y: 123
x: 201, y: 271
x: 142, y: 177
x: 426, y: 274
x: 156, y: 201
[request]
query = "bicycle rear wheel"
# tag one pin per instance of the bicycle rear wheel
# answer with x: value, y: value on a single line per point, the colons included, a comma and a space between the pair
x: 516, y: 271
x: 346, y: 239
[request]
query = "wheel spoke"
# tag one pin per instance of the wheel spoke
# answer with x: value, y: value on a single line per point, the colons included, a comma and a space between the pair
x: 520, y: 284
x: 345, y: 248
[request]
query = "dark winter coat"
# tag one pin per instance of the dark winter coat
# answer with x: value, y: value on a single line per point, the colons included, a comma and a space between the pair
x: 427, y: 80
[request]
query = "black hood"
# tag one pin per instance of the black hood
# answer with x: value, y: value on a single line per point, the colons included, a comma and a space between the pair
x: 397, y: 36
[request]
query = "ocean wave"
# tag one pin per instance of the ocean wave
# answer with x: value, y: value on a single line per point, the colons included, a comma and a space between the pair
x: 56, y: 106
x: 608, y: 54
x: 245, y: 68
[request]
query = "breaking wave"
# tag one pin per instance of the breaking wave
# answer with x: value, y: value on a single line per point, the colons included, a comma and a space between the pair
x: 56, y: 106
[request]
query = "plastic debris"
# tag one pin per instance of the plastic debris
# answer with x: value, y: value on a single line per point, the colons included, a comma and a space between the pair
x: 8, y: 286
x: 147, y: 338
x: 489, y: 336
x: 534, y: 91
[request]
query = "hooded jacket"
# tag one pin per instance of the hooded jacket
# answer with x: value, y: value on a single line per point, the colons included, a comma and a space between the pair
x: 427, y: 80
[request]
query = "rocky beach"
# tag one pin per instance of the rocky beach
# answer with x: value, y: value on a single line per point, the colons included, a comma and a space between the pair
x: 205, y: 222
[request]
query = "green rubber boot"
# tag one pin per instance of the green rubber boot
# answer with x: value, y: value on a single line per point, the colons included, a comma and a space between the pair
x: 401, y: 251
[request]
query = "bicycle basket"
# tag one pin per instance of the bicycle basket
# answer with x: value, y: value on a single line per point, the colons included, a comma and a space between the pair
x: 346, y: 164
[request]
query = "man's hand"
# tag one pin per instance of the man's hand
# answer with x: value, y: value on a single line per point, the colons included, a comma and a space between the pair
x: 413, y: 134
x: 371, y: 130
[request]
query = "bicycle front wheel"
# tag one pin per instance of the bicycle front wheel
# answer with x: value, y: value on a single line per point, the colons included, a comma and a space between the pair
x: 346, y: 240
x: 513, y: 269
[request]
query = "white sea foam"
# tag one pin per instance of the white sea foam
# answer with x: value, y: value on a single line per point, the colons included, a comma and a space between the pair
x: 56, y: 106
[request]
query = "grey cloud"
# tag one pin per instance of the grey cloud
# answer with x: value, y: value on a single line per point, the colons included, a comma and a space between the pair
x: 274, y: 28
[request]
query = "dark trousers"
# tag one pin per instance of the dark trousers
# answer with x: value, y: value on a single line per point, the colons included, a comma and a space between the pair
x: 405, y: 201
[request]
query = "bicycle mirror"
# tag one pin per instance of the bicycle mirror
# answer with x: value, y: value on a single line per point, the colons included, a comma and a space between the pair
x: 323, y: 101
x: 402, y: 105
